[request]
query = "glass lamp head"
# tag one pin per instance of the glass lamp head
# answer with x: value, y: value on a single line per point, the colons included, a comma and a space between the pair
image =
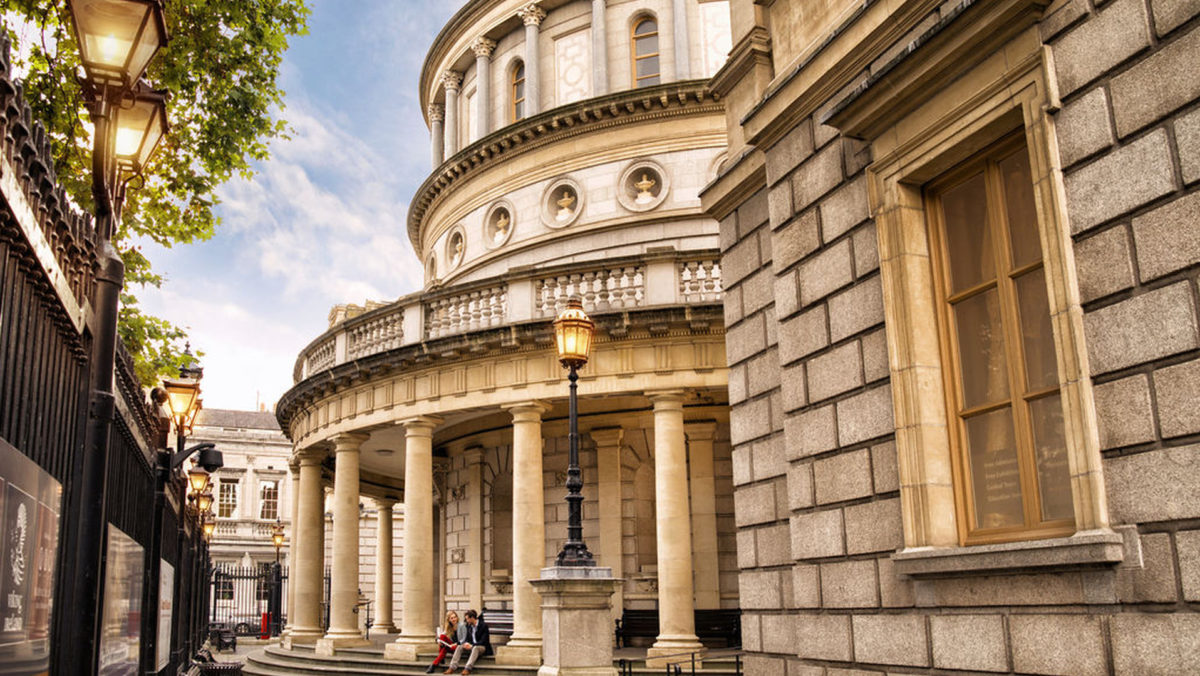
x: 204, y: 501
x: 198, y: 479
x: 140, y: 125
x: 117, y: 38
x: 573, y: 331
x: 209, y: 524
x: 277, y: 534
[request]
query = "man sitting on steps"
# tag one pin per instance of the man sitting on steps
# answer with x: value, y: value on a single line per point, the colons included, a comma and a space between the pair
x: 477, y: 642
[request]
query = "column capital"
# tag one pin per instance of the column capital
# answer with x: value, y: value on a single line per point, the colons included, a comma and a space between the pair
x: 473, y: 456
x: 483, y: 46
x: 452, y: 80
x: 607, y: 437
x: 307, y: 457
x: 421, y: 425
x: 384, y: 503
x: 437, y: 112
x: 702, y: 430
x: 527, y: 411
x: 348, y: 441
x: 294, y: 464
x: 532, y: 14
x: 667, y: 399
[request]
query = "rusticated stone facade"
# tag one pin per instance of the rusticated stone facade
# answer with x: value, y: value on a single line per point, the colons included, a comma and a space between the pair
x: 841, y: 116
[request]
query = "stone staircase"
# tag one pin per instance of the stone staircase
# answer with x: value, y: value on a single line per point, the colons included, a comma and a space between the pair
x: 275, y: 661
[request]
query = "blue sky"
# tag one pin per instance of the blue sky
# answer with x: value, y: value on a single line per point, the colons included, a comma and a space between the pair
x: 323, y: 221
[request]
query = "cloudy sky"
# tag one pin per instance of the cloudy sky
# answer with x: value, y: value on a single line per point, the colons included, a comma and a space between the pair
x: 323, y: 221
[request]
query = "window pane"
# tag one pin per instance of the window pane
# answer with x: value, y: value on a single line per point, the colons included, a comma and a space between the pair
x: 647, y: 66
x: 519, y: 110
x: 1041, y: 368
x: 994, y: 473
x: 1022, y: 209
x: 969, y: 248
x: 647, y: 82
x: 981, y: 349
x: 1054, y: 477
x: 646, y: 45
x: 645, y: 26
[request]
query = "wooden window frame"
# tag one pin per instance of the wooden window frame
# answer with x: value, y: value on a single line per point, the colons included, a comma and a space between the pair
x: 513, y: 81
x: 633, y: 53
x: 1020, y: 396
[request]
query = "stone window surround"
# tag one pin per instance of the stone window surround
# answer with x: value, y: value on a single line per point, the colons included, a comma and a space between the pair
x: 917, y: 143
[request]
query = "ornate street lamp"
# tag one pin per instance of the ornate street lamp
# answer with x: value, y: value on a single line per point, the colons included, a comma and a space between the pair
x: 117, y: 39
x: 208, y: 524
x: 573, y: 331
x: 204, y: 501
x: 277, y: 537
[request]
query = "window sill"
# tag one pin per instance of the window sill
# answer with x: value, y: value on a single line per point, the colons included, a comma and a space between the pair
x: 1096, y: 548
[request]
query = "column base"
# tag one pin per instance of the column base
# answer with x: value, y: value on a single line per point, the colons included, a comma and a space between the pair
x: 666, y: 650
x: 388, y: 628
x: 302, y: 636
x: 327, y: 645
x: 409, y: 648
x: 523, y: 652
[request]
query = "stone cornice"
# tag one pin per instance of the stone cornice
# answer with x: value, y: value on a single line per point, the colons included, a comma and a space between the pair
x: 498, y: 342
x: 691, y: 97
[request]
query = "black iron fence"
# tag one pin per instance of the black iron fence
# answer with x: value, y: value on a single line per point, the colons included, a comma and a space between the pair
x: 241, y: 598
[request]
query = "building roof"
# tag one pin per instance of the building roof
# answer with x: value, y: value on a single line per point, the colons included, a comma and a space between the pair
x: 219, y: 417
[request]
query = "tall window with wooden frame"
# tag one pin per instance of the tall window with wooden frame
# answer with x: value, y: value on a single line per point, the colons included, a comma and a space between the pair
x: 647, y: 70
x: 1001, y: 375
x: 517, y: 91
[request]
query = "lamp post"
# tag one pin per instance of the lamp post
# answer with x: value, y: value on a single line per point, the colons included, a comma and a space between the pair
x: 116, y: 39
x: 573, y: 337
x: 275, y: 603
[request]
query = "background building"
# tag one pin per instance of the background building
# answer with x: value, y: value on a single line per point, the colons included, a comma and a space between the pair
x: 960, y: 256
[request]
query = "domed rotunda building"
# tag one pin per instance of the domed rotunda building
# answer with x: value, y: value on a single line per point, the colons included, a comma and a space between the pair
x: 570, y: 141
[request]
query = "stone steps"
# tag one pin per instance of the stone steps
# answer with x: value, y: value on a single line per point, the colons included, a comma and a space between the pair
x: 302, y: 661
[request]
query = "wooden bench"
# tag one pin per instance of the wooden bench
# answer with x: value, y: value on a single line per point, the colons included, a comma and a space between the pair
x: 499, y: 622
x: 720, y: 623
x: 715, y: 624
x: 636, y: 624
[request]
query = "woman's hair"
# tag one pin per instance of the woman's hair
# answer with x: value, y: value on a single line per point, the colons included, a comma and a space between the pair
x: 451, y: 624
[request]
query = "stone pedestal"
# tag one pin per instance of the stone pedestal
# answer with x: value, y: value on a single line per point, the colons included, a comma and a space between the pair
x: 577, y: 621
x: 326, y: 646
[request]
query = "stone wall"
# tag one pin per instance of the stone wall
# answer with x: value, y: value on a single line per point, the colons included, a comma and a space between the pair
x: 817, y: 494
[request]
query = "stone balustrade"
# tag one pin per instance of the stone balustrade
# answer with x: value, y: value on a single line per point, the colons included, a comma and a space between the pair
x: 621, y: 285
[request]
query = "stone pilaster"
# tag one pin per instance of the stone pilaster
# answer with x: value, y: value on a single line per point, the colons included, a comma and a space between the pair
x: 600, y: 62
x: 483, y: 48
x: 608, y: 475
x: 452, y: 81
x: 309, y: 575
x: 683, y: 62
x: 702, y: 484
x: 343, y: 583
x: 384, y: 591
x: 532, y: 15
x: 529, y: 535
x: 418, y: 621
x: 473, y: 457
x: 676, y: 620
x: 437, y: 134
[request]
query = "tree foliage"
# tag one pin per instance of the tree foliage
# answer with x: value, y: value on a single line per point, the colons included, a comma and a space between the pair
x: 221, y: 69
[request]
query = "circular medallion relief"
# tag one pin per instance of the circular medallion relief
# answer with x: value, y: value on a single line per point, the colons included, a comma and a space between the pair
x: 498, y: 223
x: 562, y: 203
x: 643, y: 186
x: 456, y: 247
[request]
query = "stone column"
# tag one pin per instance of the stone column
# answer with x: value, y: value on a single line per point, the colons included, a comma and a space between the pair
x: 608, y: 476
x: 683, y: 62
x: 343, y: 583
x: 383, y: 567
x: 293, y: 546
x: 437, y: 134
x: 309, y: 573
x: 600, y: 68
x: 676, y: 619
x: 704, y: 513
x: 483, y: 48
x: 532, y: 15
x: 417, y: 621
x: 529, y: 535
x: 452, y: 81
x: 473, y: 457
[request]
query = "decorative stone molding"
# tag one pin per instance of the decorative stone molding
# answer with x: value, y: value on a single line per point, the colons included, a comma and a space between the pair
x: 499, y: 221
x: 532, y: 14
x: 452, y: 80
x: 482, y: 46
x: 458, y: 555
x: 675, y: 99
x: 437, y: 112
x: 643, y: 185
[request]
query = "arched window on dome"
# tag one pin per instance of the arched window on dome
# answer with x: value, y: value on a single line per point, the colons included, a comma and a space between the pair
x: 517, y: 90
x: 644, y: 45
